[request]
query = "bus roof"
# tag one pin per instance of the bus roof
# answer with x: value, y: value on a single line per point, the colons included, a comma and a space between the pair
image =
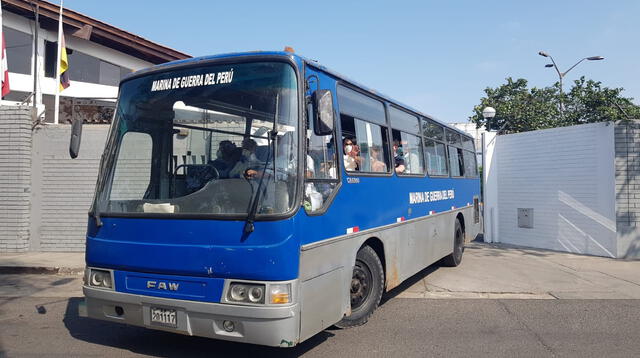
x: 307, y: 61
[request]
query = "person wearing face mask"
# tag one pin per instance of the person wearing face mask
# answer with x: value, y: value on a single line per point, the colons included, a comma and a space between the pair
x: 248, y: 160
x: 225, y: 158
x: 350, y: 156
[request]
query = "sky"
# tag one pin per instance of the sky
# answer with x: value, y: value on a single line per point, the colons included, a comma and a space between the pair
x: 435, y: 56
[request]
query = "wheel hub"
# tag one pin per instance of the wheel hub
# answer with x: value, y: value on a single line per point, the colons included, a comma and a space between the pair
x: 360, y: 286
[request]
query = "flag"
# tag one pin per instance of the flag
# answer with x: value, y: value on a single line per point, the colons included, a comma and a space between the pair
x: 64, y: 65
x: 4, y: 69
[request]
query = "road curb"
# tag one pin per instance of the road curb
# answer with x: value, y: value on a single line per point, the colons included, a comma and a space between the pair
x: 40, y: 270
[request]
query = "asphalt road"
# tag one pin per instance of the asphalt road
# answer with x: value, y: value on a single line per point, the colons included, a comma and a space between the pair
x: 34, y: 326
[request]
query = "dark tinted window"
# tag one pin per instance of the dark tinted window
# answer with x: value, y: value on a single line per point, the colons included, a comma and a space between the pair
x: 432, y: 130
x: 109, y: 74
x: 50, y: 53
x: 454, y: 138
x: 124, y: 72
x: 456, y: 162
x: 359, y: 105
x: 404, y: 121
x: 83, y: 67
x: 19, y: 49
x: 467, y: 143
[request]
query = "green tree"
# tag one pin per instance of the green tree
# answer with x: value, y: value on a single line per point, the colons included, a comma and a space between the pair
x: 520, y: 109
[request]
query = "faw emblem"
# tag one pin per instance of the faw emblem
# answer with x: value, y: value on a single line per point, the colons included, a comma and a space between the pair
x: 171, y: 286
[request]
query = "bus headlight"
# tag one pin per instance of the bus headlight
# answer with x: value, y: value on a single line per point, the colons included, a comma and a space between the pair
x: 100, y: 278
x: 280, y: 294
x: 245, y: 293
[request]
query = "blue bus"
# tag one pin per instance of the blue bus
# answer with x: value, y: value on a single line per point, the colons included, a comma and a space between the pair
x: 260, y: 197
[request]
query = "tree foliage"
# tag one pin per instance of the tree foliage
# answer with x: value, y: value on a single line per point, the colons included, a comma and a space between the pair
x: 520, y: 109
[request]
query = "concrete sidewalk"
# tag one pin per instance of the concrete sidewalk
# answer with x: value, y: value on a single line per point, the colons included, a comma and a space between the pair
x: 487, y: 271
x: 42, y: 263
x: 505, y: 271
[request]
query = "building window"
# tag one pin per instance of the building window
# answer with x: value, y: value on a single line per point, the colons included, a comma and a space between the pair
x: 83, y: 67
x: 19, y: 47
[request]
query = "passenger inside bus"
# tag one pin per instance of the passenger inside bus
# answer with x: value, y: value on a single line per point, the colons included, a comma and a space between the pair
x: 227, y: 156
x: 248, y: 160
x: 398, y: 157
x: 351, y: 154
x: 374, y: 160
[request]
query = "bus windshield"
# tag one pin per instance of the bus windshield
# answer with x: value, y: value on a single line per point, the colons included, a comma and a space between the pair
x: 202, y: 140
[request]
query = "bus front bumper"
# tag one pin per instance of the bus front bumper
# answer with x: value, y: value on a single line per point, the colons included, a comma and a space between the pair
x: 270, y: 326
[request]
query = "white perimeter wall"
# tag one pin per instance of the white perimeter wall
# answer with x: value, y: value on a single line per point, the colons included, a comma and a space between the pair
x: 567, y: 176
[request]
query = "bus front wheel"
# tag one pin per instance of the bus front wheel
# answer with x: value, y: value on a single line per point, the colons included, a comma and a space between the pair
x: 455, y: 258
x: 367, y: 284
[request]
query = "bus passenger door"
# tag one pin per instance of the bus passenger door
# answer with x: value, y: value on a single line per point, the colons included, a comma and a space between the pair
x: 324, y: 278
x: 321, y: 167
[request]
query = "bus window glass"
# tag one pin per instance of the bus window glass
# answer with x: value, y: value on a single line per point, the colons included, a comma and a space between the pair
x: 408, y: 156
x: 403, y: 121
x: 470, y: 167
x: 364, y: 141
x: 453, y: 138
x: 456, y: 162
x: 432, y: 130
x: 370, y: 143
x: 216, y: 130
x: 321, y: 170
x: 467, y: 143
x: 358, y: 105
x: 133, y: 168
x: 436, y: 158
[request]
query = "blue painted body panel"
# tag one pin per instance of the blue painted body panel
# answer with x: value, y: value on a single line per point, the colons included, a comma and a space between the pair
x: 208, y: 248
x: 180, y: 249
x: 204, y: 289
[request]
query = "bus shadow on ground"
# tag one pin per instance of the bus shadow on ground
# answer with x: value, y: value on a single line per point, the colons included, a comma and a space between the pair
x: 164, y: 344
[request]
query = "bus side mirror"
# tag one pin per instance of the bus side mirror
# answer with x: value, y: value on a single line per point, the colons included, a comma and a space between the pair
x: 76, y: 134
x: 323, y: 112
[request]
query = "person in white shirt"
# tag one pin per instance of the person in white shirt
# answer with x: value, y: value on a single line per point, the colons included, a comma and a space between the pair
x: 350, y: 157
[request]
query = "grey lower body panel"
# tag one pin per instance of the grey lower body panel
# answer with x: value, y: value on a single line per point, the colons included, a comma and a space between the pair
x: 270, y: 326
x: 408, y: 248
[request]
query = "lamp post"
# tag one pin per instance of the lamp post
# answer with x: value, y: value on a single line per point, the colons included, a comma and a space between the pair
x: 562, y: 74
x: 488, y: 113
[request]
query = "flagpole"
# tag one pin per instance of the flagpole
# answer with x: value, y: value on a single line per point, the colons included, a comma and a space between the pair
x: 56, y: 113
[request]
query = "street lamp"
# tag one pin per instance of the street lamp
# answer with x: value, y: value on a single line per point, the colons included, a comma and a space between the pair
x: 488, y: 112
x: 562, y: 74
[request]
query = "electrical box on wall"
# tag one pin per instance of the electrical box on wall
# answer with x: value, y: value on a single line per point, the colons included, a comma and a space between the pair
x: 525, y: 218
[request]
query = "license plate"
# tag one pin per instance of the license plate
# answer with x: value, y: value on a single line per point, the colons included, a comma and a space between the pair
x: 164, y: 316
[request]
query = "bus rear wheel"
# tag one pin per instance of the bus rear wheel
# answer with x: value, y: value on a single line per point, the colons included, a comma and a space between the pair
x: 367, y: 284
x: 455, y: 258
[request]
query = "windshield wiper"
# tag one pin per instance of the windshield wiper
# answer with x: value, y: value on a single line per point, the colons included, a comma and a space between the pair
x: 251, y: 215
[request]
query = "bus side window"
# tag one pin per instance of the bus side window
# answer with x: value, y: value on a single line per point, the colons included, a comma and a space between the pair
x: 435, y: 148
x: 408, y: 153
x: 456, y: 162
x: 456, y: 157
x: 364, y: 145
x: 321, y: 168
x: 407, y: 143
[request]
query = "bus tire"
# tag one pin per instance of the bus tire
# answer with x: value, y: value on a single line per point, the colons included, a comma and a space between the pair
x: 455, y: 258
x: 367, y: 284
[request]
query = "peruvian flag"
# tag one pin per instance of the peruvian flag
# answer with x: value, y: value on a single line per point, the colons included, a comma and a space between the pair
x: 4, y: 69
